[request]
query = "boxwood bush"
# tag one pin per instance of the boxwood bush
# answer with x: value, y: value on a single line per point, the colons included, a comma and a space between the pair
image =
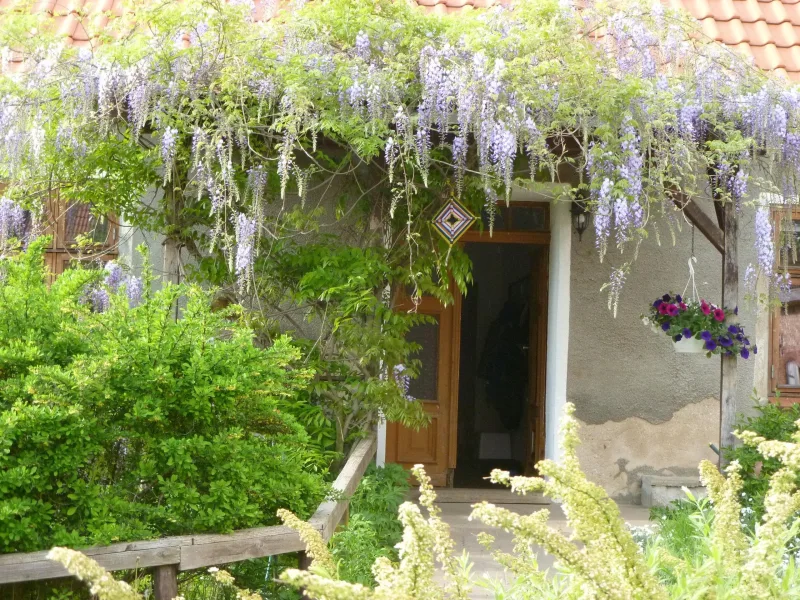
x: 119, y: 421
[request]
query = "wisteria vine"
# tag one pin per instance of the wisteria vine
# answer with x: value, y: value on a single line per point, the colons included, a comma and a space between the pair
x: 239, y: 113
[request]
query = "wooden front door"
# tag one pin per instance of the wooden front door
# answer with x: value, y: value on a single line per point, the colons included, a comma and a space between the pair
x: 537, y: 359
x: 436, y: 387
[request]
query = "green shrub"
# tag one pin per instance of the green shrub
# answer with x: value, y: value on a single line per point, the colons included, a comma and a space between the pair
x: 772, y: 422
x: 127, y: 423
x: 373, y: 529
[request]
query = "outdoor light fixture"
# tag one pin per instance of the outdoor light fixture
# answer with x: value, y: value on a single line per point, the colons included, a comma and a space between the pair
x: 580, y: 217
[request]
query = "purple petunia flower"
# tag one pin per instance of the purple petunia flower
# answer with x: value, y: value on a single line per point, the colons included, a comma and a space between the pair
x: 678, y: 298
x: 665, y: 326
x: 755, y: 349
x: 711, y: 345
x: 666, y: 298
x: 706, y: 335
x: 687, y: 333
x: 658, y: 303
x: 677, y: 337
x: 745, y: 353
x: 725, y: 341
x: 733, y: 329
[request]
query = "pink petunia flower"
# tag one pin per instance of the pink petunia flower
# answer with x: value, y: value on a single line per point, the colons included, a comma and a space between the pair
x: 672, y: 310
x: 705, y: 307
x: 682, y: 306
x: 719, y: 314
x: 662, y: 309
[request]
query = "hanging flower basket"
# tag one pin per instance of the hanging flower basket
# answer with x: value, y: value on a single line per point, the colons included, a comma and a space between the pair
x: 689, y: 346
x: 699, y: 326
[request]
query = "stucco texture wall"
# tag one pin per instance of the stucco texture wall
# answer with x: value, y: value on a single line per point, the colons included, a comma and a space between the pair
x: 645, y: 408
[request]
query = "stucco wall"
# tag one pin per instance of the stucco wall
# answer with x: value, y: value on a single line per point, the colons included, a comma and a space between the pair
x: 645, y: 408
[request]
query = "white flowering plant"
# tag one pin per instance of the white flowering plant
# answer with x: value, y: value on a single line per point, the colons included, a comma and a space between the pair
x: 602, y: 558
x: 691, y: 319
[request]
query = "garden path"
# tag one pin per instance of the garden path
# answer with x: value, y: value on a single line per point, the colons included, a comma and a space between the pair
x: 465, y: 532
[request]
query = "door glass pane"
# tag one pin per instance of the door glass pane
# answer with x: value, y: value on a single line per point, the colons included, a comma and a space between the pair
x: 500, y: 219
x: 528, y: 218
x: 789, y: 338
x: 424, y: 386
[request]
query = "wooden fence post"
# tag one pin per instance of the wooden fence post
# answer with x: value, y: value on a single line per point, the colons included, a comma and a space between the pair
x: 303, y: 563
x: 165, y: 582
x: 730, y: 299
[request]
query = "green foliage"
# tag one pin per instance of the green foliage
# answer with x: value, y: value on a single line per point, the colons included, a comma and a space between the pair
x: 772, y: 422
x: 373, y: 529
x: 683, y: 525
x: 127, y: 423
x: 349, y: 333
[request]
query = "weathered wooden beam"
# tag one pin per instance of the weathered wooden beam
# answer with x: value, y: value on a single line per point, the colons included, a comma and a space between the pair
x: 34, y: 566
x: 730, y: 299
x: 330, y: 513
x: 702, y: 221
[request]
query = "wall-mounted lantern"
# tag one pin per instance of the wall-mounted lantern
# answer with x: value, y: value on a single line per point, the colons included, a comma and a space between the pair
x: 580, y: 217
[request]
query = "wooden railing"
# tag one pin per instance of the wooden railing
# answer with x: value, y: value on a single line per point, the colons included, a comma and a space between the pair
x: 168, y: 556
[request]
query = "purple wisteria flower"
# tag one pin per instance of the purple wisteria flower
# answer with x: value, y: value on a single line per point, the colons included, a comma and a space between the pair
x: 602, y: 216
x: 765, y: 247
x: 362, y: 45
x: 403, y: 381
x: 615, y: 285
x: 134, y: 290
x: 168, y: 142
x: 12, y: 221
x: 99, y: 299
x: 115, y: 277
x: 750, y: 278
x: 245, y: 245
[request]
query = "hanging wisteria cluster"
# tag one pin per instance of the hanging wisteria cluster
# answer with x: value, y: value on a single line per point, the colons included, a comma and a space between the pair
x: 239, y: 112
x: 116, y: 281
x: 14, y: 222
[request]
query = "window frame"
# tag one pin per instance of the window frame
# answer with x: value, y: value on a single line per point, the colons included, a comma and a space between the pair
x: 788, y: 395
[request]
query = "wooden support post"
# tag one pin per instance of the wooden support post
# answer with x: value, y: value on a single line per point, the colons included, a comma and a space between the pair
x: 730, y: 299
x: 303, y: 563
x: 165, y: 582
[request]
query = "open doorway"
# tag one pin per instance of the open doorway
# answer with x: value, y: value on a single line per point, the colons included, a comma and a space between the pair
x: 497, y: 374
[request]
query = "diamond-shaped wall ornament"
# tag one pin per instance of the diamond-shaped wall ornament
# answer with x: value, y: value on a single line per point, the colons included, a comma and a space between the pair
x: 453, y: 221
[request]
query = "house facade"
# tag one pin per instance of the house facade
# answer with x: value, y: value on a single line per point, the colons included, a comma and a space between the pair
x: 501, y: 362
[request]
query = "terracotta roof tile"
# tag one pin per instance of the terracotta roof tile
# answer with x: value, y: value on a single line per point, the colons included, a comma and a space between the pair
x: 766, y: 30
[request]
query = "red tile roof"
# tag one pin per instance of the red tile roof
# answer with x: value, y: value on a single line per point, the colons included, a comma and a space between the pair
x: 767, y: 30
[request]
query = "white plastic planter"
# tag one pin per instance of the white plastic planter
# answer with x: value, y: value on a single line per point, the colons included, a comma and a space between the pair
x: 689, y: 346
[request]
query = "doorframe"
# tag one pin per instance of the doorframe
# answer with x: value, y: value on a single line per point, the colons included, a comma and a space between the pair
x: 541, y: 240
